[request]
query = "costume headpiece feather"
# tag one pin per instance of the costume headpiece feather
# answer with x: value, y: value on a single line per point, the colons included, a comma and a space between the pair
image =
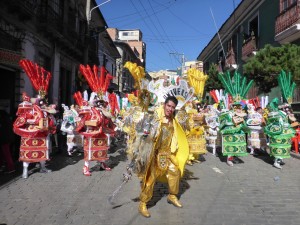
x: 98, y: 84
x: 78, y: 98
x: 197, y: 80
x: 286, y: 85
x: 235, y: 86
x: 137, y: 72
x: 255, y: 102
x: 39, y: 77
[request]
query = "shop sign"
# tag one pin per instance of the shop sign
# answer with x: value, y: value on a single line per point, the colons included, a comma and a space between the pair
x: 9, y: 57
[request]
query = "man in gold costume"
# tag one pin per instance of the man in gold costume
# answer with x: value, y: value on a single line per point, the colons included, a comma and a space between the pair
x: 168, y: 155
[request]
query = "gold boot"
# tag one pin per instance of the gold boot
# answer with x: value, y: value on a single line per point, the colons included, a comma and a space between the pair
x: 189, y: 162
x: 143, y: 209
x: 172, y: 199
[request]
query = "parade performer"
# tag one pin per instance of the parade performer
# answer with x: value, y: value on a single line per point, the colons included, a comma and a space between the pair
x: 212, y: 122
x: 254, y: 122
x: 222, y: 102
x: 113, y: 102
x: 136, y: 117
x: 34, y: 122
x: 94, y: 121
x: 232, y: 124
x: 167, y: 157
x: 278, y: 127
x: 160, y: 147
x: 196, y: 134
x: 68, y: 126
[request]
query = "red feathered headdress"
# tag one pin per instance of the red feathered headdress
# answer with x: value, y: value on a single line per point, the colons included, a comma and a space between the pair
x: 38, y: 76
x: 78, y: 98
x: 255, y: 102
x: 98, y: 84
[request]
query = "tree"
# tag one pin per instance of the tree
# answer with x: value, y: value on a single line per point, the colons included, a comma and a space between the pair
x: 266, y: 65
x: 213, y: 81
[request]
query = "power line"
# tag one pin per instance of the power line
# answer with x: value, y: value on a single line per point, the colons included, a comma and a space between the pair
x: 162, y: 26
x: 135, y: 13
x: 179, y: 18
x: 148, y: 25
x: 153, y: 24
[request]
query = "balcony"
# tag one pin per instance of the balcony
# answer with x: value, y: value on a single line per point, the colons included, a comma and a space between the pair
x: 230, y: 60
x: 249, y: 48
x: 50, y: 21
x: 287, y: 26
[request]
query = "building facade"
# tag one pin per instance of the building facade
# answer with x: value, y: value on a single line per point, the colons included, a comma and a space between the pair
x: 249, y: 28
x: 56, y: 35
x: 131, y: 48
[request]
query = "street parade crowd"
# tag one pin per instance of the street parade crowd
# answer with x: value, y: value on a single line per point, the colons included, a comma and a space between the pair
x: 167, y: 124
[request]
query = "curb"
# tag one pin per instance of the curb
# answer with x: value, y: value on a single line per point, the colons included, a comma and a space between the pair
x: 294, y: 155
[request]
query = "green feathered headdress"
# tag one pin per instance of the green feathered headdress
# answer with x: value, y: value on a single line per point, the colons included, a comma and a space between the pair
x: 236, y: 86
x: 287, y: 86
x: 273, y: 105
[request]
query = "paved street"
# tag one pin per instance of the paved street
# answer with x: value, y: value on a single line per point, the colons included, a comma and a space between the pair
x: 212, y: 193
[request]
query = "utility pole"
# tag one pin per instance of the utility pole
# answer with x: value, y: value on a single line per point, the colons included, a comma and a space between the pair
x: 182, y: 60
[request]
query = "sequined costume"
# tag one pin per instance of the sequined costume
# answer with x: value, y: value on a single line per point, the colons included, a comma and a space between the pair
x: 232, y: 124
x: 195, y: 135
x: 212, y: 121
x: 34, y: 122
x: 68, y: 127
x: 233, y: 136
x: 95, y: 120
x: 168, y: 154
x: 280, y: 133
x: 254, y: 122
x: 279, y: 118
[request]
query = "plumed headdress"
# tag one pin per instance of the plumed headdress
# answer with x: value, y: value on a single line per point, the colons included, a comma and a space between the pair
x: 235, y: 86
x: 81, y: 102
x: 197, y: 80
x: 287, y: 86
x: 138, y: 74
x: 98, y: 83
x: 39, y: 77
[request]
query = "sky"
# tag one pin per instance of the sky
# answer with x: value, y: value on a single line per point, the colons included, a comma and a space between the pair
x: 172, y: 29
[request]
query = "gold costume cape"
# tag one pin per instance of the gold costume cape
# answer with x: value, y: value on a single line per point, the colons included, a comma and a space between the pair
x: 179, y: 146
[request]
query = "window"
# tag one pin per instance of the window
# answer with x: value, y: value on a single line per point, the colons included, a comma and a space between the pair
x: 253, y: 27
x: 293, y: 2
x: 56, y: 5
x: 285, y: 4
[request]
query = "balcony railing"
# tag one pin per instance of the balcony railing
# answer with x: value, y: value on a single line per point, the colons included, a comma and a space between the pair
x: 287, y: 18
x: 49, y: 19
x: 249, y: 48
x: 230, y: 58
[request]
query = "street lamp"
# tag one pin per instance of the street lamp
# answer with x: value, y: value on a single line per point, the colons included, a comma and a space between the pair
x: 89, y: 17
x: 90, y: 13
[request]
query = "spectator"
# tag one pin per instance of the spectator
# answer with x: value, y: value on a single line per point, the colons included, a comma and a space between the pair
x: 6, y: 138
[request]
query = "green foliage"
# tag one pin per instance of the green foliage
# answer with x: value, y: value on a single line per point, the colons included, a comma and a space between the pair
x: 213, y: 82
x: 266, y: 65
